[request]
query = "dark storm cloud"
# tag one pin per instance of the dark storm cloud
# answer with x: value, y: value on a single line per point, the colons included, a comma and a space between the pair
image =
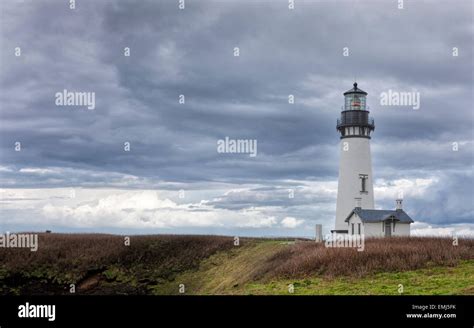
x: 190, y: 52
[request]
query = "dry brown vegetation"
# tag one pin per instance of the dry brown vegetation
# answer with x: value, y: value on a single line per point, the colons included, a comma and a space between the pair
x: 380, y: 255
x: 84, y: 252
x: 73, y: 258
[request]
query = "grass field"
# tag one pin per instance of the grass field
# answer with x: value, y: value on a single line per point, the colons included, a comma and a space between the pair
x: 160, y: 264
x: 457, y: 280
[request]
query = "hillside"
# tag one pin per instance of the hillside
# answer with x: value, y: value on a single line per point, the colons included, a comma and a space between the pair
x: 161, y: 264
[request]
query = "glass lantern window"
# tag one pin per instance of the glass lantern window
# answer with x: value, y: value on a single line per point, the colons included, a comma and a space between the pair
x: 355, y: 102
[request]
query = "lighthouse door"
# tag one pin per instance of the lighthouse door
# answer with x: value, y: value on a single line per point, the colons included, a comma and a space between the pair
x: 388, y: 229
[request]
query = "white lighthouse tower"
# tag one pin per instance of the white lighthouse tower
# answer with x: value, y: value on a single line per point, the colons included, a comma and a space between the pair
x: 355, y: 187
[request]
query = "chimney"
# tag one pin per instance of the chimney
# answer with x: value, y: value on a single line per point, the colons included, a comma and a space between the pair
x: 358, y: 202
x: 399, y: 204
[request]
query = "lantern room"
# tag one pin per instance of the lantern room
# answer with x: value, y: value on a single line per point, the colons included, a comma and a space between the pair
x: 355, y: 99
x: 355, y: 120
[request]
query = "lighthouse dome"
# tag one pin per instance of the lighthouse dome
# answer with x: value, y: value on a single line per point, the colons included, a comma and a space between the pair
x: 355, y: 90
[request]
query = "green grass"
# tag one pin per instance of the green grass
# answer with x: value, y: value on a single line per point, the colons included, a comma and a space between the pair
x: 457, y: 280
x: 224, y: 272
x: 232, y: 273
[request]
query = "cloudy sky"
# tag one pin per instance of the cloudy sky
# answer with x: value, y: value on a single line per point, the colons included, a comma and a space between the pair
x: 66, y: 168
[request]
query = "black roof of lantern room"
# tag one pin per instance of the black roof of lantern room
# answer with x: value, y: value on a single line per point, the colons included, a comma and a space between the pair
x: 356, y: 90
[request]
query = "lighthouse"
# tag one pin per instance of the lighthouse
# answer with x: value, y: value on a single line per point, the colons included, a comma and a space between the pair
x: 355, y: 185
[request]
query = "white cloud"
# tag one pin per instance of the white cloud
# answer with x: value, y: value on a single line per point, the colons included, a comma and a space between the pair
x: 5, y: 169
x: 410, y: 188
x: 425, y: 229
x: 163, y: 209
x: 146, y: 209
x: 35, y: 170
x: 291, y: 222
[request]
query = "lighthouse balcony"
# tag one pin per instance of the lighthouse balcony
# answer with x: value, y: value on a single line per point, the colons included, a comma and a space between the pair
x: 355, y: 118
x: 368, y: 123
x: 355, y: 124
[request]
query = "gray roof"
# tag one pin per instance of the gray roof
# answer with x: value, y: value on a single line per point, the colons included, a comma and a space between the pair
x: 380, y: 215
x: 355, y: 89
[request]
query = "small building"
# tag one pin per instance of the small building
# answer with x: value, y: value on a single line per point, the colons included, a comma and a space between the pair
x: 379, y: 223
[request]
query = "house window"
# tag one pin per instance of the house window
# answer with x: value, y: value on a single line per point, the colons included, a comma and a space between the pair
x: 352, y: 228
x: 363, y: 183
x: 358, y: 226
x: 393, y: 226
x: 383, y: 226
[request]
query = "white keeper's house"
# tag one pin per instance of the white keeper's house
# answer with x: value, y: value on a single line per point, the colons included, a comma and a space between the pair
x: 355, y: 213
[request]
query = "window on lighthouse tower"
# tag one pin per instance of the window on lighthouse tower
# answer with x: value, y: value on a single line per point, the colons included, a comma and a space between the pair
x: 363, y: 183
